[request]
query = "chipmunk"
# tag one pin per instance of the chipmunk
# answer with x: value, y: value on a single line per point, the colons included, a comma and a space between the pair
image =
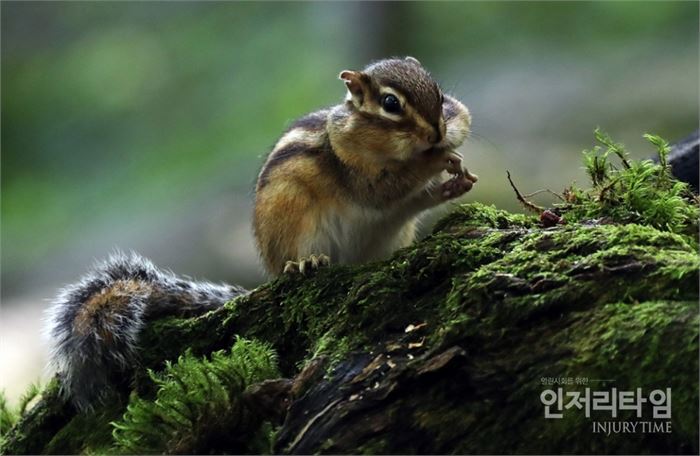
x: 346, y: 184
x: 343, y: 184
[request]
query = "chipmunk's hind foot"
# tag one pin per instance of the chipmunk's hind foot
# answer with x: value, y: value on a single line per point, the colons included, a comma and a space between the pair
x: 306, y: 264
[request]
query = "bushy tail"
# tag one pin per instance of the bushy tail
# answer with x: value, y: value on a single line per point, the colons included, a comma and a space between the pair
x: 94, y: 325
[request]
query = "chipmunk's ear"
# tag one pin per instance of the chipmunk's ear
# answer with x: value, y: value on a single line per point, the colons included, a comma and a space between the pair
x: 413, y: 60
x: 357, y: 84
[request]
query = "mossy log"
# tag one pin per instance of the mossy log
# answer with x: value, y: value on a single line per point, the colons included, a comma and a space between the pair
x: 443, y: 348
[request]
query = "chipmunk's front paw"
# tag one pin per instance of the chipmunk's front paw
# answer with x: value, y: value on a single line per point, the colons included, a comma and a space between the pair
x: 453, y: 162
x: 457, y: 185
x: 306, y: 265
x: 470, y: 176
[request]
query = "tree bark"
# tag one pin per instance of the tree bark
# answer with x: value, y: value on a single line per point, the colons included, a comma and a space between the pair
x: 447, y: 346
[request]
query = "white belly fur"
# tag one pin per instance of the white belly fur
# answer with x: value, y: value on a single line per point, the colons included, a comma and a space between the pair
x: 359, y: 234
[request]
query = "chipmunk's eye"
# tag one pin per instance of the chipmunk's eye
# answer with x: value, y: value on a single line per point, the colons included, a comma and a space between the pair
x: 391, y: 104
x: 442, y: 99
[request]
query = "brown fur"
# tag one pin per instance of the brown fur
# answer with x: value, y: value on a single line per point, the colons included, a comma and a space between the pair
x: 107, y: 304
x: 288, y: 206
x: 411, y: 79
x: 361, y: 160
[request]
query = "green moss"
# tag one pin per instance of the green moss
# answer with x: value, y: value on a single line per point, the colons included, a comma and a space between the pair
x: 87, y: 433
x: 482, y: 216
x: 640, y: 192
x: 329, y: 345
x: 578, y: 266
x: 38, y: 424
x: 609, y: 294
x: 9, y: 416
x: 377, y: 445
x: 199, y: 404
x: 445, y: 420
x: 649, y: 345
x: 645, y: 345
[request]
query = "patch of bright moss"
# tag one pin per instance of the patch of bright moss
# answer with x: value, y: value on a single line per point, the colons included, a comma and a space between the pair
x: 199, y: 405
x: 482, y: 216
x: 641, y: 192
x: 10, y: 415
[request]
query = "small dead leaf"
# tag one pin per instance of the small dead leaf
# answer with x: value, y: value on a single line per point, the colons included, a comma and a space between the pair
x: 412, y: 345
x: 411, y: 328
x: 369, y: 369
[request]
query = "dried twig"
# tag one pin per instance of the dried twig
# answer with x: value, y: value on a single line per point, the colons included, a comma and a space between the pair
x: 528, y: 204
x: 530, y: 195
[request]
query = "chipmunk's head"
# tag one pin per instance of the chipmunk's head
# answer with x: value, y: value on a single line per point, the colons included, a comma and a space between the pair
x: 396, y: 108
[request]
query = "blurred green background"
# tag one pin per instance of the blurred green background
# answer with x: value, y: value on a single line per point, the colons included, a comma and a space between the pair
x: 142, y: 125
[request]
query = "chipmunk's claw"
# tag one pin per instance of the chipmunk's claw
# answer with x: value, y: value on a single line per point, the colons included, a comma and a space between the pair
x: 472, y: 177
x: 306, y: 264
x: 453, y: 162
x: 456, y: 186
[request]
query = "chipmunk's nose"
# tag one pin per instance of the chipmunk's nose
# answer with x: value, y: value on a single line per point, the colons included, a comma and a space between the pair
x: 435, y: 136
